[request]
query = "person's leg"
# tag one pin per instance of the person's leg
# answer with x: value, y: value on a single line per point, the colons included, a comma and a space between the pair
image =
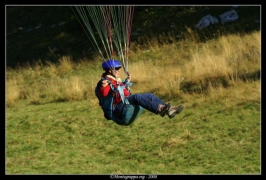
x: 147, y: 101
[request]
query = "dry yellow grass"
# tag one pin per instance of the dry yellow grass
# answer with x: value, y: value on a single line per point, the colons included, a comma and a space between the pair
x: 75, y: 88
x: 12, y: 92
x: 158, y: 67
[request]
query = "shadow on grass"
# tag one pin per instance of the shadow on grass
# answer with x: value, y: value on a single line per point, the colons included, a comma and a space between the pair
x: 202, y: 85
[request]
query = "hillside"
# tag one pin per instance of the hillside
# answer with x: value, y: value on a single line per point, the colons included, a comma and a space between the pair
x: 54, y: 124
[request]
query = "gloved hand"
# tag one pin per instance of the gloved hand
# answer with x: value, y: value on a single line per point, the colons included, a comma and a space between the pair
x: 128, y: 77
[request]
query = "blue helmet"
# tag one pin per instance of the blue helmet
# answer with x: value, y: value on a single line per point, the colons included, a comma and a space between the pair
x: 111, y: 64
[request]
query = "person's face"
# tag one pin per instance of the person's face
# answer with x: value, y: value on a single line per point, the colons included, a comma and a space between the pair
x: 116, y: 72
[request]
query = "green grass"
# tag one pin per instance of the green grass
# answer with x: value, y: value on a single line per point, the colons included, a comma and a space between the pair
x: 210, y: 137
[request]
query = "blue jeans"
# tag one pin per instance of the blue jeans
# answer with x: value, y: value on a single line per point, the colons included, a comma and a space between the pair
x: 147, y: 100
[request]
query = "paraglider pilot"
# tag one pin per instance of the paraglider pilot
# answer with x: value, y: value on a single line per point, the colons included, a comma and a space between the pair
x: 110, y: 80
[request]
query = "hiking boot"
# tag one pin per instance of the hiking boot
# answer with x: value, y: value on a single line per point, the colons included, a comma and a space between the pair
x: 174, y: 110
x: 165, y: 109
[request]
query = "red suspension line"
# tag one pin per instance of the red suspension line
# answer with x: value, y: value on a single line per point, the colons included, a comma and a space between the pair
x: 129, y: 17
x: 109, y: 28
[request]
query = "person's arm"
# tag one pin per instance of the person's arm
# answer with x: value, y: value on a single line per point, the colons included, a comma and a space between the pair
x: 129, y: 77
x: 104, y: 88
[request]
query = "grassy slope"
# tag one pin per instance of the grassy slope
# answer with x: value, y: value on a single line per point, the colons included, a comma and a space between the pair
x: 219, y: 135
x: 215, y: 134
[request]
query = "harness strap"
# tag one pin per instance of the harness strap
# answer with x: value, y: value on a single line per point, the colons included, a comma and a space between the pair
x: 121, y: 91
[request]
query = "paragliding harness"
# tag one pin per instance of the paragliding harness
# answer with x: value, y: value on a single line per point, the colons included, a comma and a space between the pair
x: 130, y: 112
